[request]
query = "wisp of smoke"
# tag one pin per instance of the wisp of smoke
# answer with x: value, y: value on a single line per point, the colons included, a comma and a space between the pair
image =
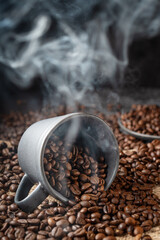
x: 71, y: 58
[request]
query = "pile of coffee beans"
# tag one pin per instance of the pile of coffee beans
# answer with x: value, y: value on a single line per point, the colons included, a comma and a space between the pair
x: 71, y: 169
x: 143, y: 119
x: 129, y: 206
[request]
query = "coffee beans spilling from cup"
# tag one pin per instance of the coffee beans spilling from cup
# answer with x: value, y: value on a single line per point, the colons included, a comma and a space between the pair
x: 143, y: 119
x: 72, y: 170
x: 128, y: 207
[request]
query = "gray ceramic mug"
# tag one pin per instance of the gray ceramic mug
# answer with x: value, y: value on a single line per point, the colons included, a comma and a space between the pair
x: 95, y: 134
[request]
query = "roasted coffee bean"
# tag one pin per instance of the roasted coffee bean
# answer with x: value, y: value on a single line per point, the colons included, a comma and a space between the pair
x: 84, y: 210
x: 83, y: 177
x: 75, y: 172
x: 62, y: 223
x: 80, y: 219
x: 96, y: 215
x: 138, y: 230
x: 51, y: 222
x: 13, y: 207
x: 147, y: 223
x: 85, y: 197
x: 75, y: 227
x: 30, y: 236
x: 72, y: 219
x: 57, y: 232
x: 22, y: 215
x: 100, y: 236
x: 34, y: 221
x: 94, y: 180
x: 68, y: 166
x: 13, y: 187
x: 19, y: 233
x: 109, y: 231
x: 80, y: 232
x: 3, y: 207
x: 93, y: 209
x: 122, y: 226
x: 85, y: 204
x: 22, y: 221
x: 32, y: 228
x: 85, y: 186
x: 90, y: 235
x: 39, y: 237
x: 130, y: 221
x: 115, y: 200
x: 75, y: 189
x: 128, y: 209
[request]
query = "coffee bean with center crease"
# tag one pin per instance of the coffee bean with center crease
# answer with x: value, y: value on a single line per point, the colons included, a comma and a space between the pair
x: 19, y: 233
x: 57, y: 232
x: 85, y: 186
x: 83, y: 177
x: 94, y: 180
x: 80, y: 219
x: 75, y: 189
x: 93, y: 209
x: 90, y: 235
x: 80, y: 232
x: 85, y: 197
x: 30, y: 236
x: 62, y: 223
x: 85, y: 204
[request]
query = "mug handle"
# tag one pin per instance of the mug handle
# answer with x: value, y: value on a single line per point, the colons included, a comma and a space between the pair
x: 29, y: 202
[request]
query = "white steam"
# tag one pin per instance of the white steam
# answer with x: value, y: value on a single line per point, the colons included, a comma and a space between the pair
x: 74, y: 59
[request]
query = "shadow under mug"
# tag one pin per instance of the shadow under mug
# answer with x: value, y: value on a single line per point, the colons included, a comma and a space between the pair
x: 95, y: 134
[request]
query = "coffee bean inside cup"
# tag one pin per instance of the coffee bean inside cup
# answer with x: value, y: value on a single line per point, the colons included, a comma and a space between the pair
x: 73, y: 169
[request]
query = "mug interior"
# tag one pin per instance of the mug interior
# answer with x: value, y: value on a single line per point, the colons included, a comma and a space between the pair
x: 91, y: 132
